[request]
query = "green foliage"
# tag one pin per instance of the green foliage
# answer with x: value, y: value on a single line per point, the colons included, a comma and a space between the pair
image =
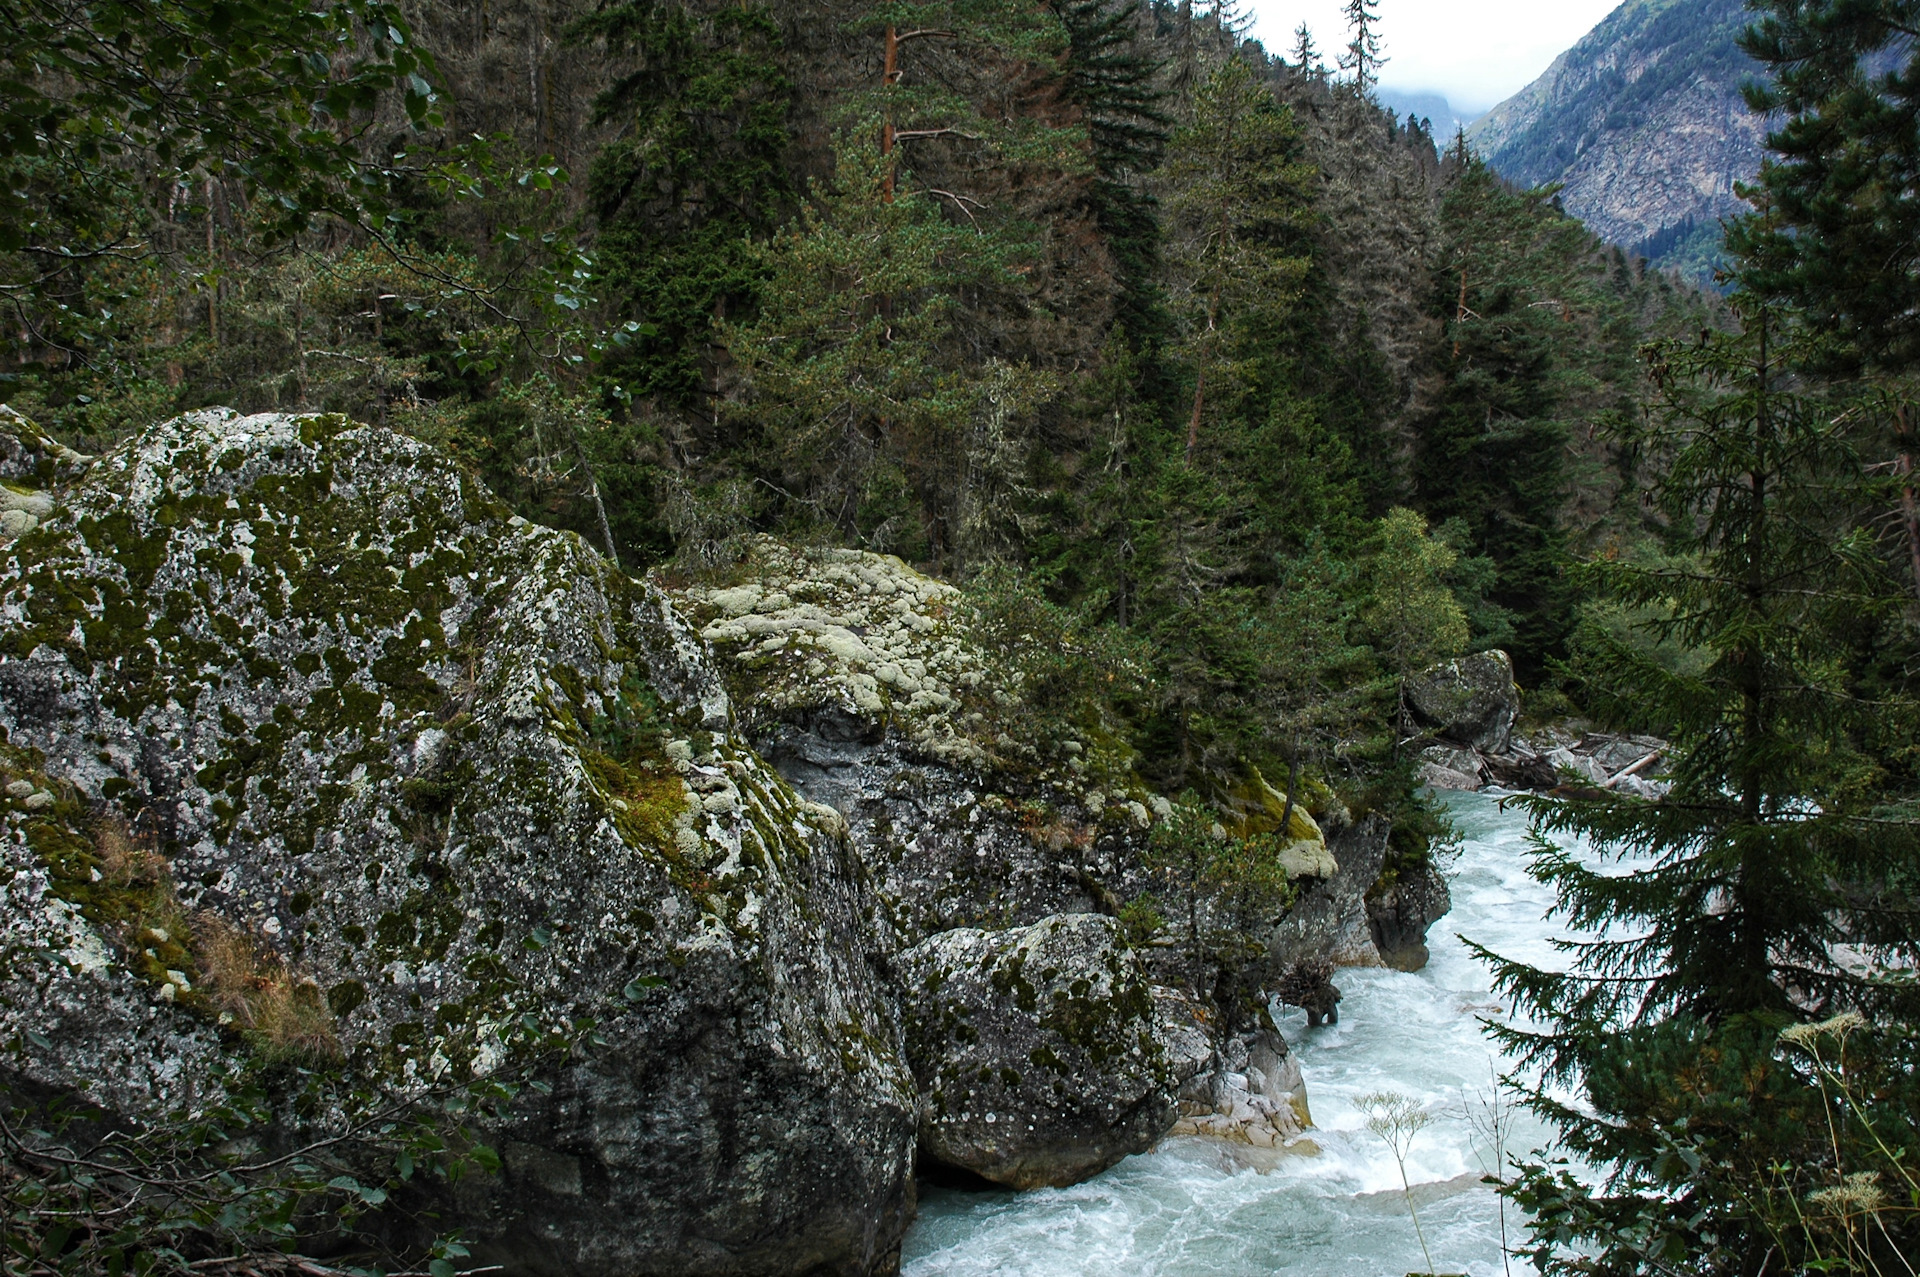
x: 1223, y: 893
x: 273, y: 93
x: 1413, y: 617
x: 1839, y: 221
x: 1781, y: 843
x: 1238, y: 208
x: 695, y: 177
x: 1749, y: 1146
x: 867, y: 413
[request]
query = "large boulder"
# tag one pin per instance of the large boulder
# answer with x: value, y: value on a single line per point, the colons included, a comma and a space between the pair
x: 450, y: 767
x: 1328, y: 923
x: 1036, y: 1049
x: 1471, y: 701
x: 864, y: 683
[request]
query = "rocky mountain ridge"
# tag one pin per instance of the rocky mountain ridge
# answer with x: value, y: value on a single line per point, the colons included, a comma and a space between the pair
x: 1643, y: 125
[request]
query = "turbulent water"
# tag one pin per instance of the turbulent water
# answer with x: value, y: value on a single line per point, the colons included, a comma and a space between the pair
x: 1188, y: 1210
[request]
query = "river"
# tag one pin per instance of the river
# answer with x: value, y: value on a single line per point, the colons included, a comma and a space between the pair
x: 1187, y: 1209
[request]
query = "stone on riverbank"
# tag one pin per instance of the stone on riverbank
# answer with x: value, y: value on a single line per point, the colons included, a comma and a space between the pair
x: 1036, y: 1050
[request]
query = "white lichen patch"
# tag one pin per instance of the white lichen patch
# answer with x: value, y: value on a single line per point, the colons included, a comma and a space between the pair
x: 860, y: 632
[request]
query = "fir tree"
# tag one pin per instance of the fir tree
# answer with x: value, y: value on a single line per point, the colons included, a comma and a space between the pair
x: 697, y: 173
x: 868, y: 417
x: 1363, y: 58
x: 1778, y: 848
x: 1841, y: 239
x: 1241, y: 207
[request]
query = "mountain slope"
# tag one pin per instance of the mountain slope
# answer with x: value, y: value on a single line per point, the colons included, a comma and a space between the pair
x: 1643, y: 124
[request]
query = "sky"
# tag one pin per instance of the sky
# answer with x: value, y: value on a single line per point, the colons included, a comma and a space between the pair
x: 1476, y: 52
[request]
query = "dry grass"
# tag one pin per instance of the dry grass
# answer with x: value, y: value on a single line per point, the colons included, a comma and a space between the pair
x: 280, y: 1010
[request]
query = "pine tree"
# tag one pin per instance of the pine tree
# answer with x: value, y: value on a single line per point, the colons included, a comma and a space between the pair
x: 1513, y: 279
x: 1306, y: 58
x: 869, y: 417
x: 1240, y: 202
x: 1111, y: 75
x: 1777, y: 851
x: 1363, y: 58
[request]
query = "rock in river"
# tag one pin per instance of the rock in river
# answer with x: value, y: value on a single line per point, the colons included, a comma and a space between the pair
x: 1036, y: 1050
x: 1471, y: 701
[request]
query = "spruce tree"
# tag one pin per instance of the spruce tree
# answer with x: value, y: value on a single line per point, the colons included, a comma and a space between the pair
x: 868, y: 417
x: 1779, y: 851
x: 1363, y: 57
x: 1240, y: 206
x: 1842, y: 190
x: 697, y: 173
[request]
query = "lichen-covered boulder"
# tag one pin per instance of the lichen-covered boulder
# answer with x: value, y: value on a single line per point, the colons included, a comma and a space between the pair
x: 1471, y: 701
x: 453, y: 766
x: 90, y: 1022
x: 1252, y: 1093
x: 1329, y: 921
x: 1036, y: 1050
x: 33, y: 468
x: 863, y: 682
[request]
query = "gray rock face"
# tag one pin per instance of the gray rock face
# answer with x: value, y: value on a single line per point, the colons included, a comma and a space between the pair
x: 1400, y: 915
x: 1252, y: 1093
x: 451, y: 765
x: 1330, y: 923
x: 1471, y: 701
x: 1036, y: 1050
x: 859, y: 681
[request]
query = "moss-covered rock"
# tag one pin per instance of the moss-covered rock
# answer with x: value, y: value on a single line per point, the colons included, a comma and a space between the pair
x: 455, y: 766
x: 861, y: 680
x: 1471, y: 701
x: 1036, y: 1050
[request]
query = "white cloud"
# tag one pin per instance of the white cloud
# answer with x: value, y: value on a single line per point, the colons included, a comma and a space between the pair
x: 1476, y: 52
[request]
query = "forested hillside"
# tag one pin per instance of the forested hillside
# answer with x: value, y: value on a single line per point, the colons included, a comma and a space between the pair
x: 516, y: 734
x: 1095, y: 300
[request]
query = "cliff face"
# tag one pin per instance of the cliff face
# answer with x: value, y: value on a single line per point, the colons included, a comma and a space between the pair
x: 1643, y: 124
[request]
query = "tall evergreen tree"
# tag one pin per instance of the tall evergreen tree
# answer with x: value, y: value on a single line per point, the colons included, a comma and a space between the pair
x: 1365, y: 54
x: 1111, y: 75
x: 1510, y: 277
x: 697, y: 173
x: 1778, y: 851
x: 1841, y: 241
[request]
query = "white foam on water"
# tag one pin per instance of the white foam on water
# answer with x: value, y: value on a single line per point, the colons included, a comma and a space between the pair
x: 1188, y: 1210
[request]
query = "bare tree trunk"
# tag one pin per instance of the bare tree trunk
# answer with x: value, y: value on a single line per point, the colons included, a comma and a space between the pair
x: 213, y: 283
x: 1193, y: 423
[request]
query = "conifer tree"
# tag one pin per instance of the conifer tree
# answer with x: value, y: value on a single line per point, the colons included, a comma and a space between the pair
x: 1364, y: 57
x: 1778, y: 851
x: 1240, y: 204
x: 869, y: 418
x: 695, y: 175
x: 1841, y: 239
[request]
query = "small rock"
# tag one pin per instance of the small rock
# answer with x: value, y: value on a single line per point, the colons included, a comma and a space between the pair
x: 37, y: 801
x: 20, y: 788
x: 1434, y: 776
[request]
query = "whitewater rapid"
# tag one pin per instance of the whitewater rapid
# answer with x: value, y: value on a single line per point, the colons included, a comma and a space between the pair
x: 1188, y: 1209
